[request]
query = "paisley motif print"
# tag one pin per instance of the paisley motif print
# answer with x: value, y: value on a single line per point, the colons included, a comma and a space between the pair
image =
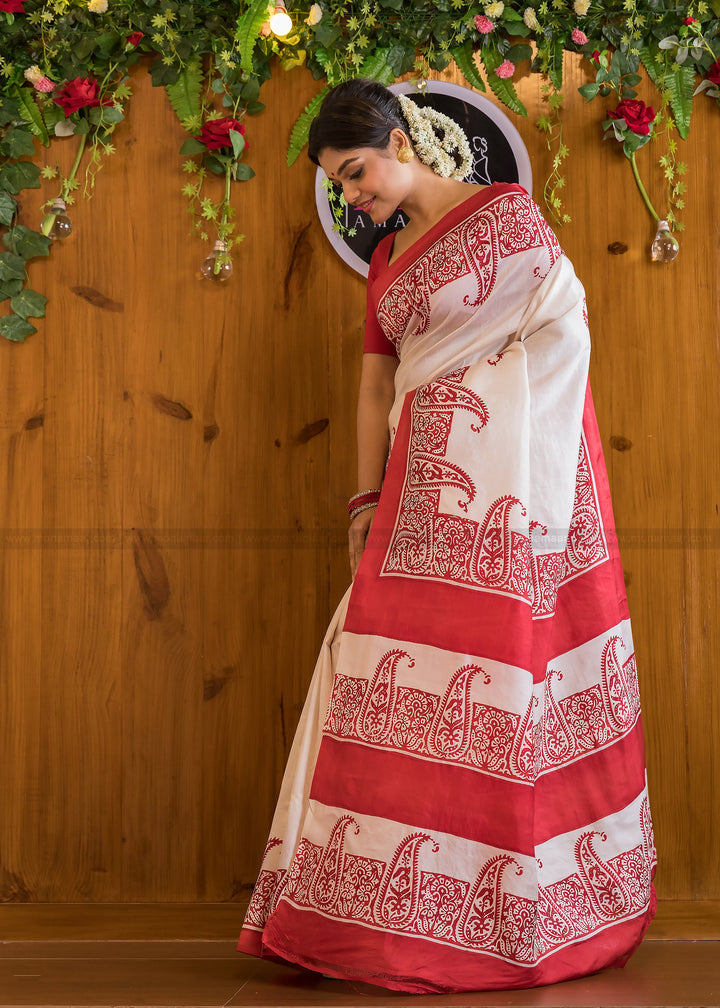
x: 409, y: 895
x: 507, y: 226
x: 458, y: 728
x: 492, y: 555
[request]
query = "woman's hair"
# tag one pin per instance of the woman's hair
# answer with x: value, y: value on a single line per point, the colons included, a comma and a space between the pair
x: 356, y: 113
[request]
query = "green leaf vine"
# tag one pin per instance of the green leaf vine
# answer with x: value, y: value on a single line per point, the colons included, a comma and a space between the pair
x: 213, y: 56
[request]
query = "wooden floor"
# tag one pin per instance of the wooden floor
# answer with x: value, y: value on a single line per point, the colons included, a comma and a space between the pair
x: 212, y: 973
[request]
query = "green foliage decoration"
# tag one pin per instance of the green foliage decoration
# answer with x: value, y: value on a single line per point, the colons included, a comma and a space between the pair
x: 213, y: 56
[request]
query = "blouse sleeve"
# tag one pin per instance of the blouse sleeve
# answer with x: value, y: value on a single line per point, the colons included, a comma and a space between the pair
x: 375, y: 339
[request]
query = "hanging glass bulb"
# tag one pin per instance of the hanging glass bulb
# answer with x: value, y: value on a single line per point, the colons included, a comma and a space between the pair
x: 56, y: 224
x: 280, y: 22
x: 218, y: 265
x: 665, y: 246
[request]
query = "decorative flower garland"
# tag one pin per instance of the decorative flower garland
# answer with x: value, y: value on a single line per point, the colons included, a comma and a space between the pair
x: 64, y: 72
x: 434, y: 137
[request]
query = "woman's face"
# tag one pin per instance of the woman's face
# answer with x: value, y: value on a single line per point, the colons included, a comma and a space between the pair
x: 372, y: 180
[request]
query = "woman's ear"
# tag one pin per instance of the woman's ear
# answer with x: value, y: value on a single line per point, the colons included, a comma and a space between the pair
x: 398, y: 139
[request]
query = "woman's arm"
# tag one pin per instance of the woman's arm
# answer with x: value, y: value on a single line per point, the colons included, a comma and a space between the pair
x: 375, y: 399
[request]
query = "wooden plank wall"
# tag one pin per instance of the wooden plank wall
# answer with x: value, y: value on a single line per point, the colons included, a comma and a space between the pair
x: 177, y: 458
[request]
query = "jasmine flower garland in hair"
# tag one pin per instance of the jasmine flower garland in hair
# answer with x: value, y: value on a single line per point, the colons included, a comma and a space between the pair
x: 423, y: 124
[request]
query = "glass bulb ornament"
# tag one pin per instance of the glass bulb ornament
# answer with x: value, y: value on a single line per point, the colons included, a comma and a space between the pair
x: 57, y: 225
x: 218, y: 265
x: 280, y: 22
x: 665, y: 246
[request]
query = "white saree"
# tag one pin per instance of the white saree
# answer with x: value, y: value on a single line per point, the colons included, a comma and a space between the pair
x: 465, y: 804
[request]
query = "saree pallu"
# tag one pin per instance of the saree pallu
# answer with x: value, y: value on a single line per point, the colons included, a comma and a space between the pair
x: 465, y: 803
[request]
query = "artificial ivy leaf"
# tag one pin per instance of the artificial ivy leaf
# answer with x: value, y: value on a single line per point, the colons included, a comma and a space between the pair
x: 8, y: 207
x: 82, y: 127
x: 19, y: 175
x: 26, y: 243
x: 17, y: 142
x: 517, y: 53
x: 9, y: 288
x: 15, y: 328
x: 29, y: 303
x: 327, y: 34
x: 163, y: 74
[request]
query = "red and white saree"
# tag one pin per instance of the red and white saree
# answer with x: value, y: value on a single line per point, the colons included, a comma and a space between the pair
x: 465, y: 803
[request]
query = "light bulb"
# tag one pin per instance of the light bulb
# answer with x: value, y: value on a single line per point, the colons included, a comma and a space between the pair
x: 218, y: 265
x: 56, y: 224
x: 665, y: 246
x: 280, y: 23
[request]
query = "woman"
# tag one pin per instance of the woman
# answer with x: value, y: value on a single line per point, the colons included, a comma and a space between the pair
x: 465, y: 804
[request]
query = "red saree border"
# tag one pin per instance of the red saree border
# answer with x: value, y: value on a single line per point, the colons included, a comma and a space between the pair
x: 387, y: 273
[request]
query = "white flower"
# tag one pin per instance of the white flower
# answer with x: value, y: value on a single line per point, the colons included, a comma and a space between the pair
x: 33, y: 74
x: 423, y: 124
x: 64, y: 128
x: 530, y: 19
x: 315, y: 15
x: 494, y: 10
x: 97, y: 6
x: 581, y: 7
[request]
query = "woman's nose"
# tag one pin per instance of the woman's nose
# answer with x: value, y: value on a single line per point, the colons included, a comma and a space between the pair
x: 351, y: 192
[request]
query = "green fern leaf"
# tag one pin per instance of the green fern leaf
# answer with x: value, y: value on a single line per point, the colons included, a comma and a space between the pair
x: 377, y: 67
x: 184, y: 94
x: 248, y: 31
x: 301, y: 129
x: 463, y: 56
x: 680, y: 84
x: 649, y: 60
x: 502, y: 88
x: 31, y: 114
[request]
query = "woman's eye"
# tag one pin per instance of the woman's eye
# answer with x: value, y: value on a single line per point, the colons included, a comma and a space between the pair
x: 357, y: 174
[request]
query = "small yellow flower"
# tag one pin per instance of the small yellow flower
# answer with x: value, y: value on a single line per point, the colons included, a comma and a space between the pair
x: 315, y: 15
x: 494, y: 10
x: 581, y: 7
x: 97, y: 6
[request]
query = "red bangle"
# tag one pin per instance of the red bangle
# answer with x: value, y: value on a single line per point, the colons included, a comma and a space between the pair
x: 367, y: 498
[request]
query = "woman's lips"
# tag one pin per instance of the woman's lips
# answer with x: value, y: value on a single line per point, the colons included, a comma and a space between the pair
x: 365, y: 207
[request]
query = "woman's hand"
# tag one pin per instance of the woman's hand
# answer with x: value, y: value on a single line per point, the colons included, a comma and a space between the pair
x: 357, y: 536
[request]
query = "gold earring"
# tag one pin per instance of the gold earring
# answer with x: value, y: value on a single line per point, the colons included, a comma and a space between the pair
x: 405, y: 154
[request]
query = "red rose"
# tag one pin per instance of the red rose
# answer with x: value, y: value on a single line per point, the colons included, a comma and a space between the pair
x: 216, y: 132
x: 596, y: 57
x: 713, y: 73
x: 134, y: 39
x: 689, y: 20
x: 636, y: 114
x: 12, y: 6
x: 79, y: 93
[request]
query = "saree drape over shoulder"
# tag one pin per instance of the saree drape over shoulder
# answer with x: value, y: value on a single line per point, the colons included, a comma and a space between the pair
x: 465, y: 803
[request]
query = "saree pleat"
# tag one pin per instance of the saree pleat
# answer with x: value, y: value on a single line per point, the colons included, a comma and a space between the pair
x: 465, y: 804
